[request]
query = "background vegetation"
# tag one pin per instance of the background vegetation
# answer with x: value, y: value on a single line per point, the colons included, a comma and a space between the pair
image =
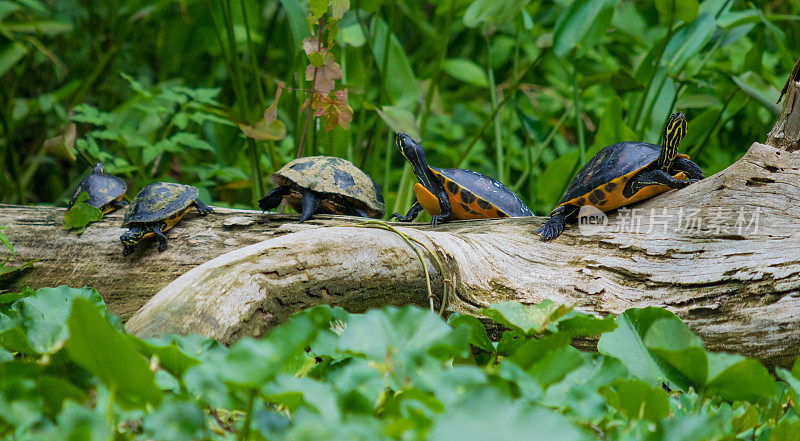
x: 517, y: 89
x: 69, y: 372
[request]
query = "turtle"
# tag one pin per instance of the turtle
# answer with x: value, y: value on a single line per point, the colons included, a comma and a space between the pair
x: 105, y: 191
x: 623, y: 173
x: 325, y: 184
x: 454, y: 193
x: 156, y: 209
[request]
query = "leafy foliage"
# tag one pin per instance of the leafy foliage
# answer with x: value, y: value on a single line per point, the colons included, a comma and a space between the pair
x: 67, y: 369
x: 517, y: 89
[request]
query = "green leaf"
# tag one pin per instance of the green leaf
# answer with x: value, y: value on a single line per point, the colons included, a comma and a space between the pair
x: 10, y: 55
x: 583, y: 21
x: 80, y: 423
x: 552, y: 183
x: 20, y: 403
x: 99, y: 348
x: 626, y: 343
x: 170, y: 356
x: 685, y: 10
x: 488, y: 415
x: 672, y: 341
x: 399, y: 79
x: 741, y: 379
x: 399, y: 120
x: 477, y: 336
x: 81, y: 214
x: 525, y: 319
x: 37, y: 323
x: 176, y: 420
x: 578, y: 324
x: 495, y: 12
x: 317, y: 8
x: 760, y: 90
x: 5, y: 240
x: 637, y: 400
x: 612, y: 128
x: 467, y: 71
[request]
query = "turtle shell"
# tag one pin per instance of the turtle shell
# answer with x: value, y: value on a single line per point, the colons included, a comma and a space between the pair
x: 158, y: 201
x: 601, y: 180
x: 473, y: 195
x: 102, y: 188
x: 330, y: 175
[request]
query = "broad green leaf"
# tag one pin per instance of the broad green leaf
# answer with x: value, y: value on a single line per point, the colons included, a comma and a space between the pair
x: 583, y: 21
x: 755, y: 87
x: 10, y: 55
x: 351, y: 36
x: 672, y: 341
x: 488, y: 415
x: 81, y: 214
x: 317, y: 8
x: 296, y: 16
x: 525, y: 319
x: 791, y: 380
x: 684, y: 10
x: 20, y: 403
x: 637, y: 400
x: 494, y: 12
x: 275, y: 131
x: 626, y: 343
x: 742, y: 379
x: 81, y: 423
x: 552, y: 183
x: 786, y: 430
x: 477, y: 336
x: 398, y: 78
x: 612, y: 128
x: 37, y: 323
x: 467, y: 71
x: 7, y: 7
x: 578, y: 324
x: 309, y: 394
x: 176, y: 420
x: 170, y: 356
x: 400, y: 120
x: 38, y: 27
x: 56, y: 390
x: 99, y: 348
x: 251, y: 363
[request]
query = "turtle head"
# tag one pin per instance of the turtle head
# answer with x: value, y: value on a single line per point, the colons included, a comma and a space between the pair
x: 98, y: 168
x: 674, y: 131
x: 410, y: 149
x: 130, y: 238
x: 414, y: 154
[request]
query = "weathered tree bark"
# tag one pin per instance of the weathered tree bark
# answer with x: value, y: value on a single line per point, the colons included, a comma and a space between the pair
x: 725, y: 257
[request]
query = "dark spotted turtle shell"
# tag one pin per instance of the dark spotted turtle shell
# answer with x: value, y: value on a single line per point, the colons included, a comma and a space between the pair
x: 610, y: 163
x: 158, y: 201
x: 333, y: 176
x: 102, y: 189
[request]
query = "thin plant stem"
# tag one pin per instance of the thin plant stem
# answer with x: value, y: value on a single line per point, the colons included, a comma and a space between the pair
x: 576, y: 108
x: 499, y: 156
x: 489, y: 118
x: 640, y: 105
x: 244, y: 434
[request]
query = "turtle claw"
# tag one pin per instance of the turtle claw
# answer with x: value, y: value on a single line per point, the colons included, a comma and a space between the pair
x: 162, y: 246
x: 399, y: 217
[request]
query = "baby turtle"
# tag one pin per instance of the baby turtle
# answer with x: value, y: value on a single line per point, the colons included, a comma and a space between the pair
x: 625, y: 173
x: 325, y: 184
x: 156, y: 209
x: 454, y: 193
x: 105, y: 191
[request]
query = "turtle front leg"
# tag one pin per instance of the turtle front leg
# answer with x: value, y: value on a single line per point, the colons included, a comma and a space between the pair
x: 446, y: 210
x: 162, y: 240
x: 274, y: 198
x: 410, y: 216
x: 201, y: 207
x: 652, y: 177
x: 555, y: 225
x: 692, y: 170
x: 310, y: 204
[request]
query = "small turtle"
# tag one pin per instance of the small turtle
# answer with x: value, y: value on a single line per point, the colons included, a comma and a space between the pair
x: 453, y: 193
x: 625, y: 173
x: 156, y: 209
x: 325, y: 184
x: 105, y: 191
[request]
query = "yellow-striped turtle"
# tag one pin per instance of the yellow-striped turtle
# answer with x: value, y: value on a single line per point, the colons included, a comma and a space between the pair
x: 105, y: 191
x: 325, y: 184
x: 156, y: 209
x: 453, y: 193
x: 625, y: 173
